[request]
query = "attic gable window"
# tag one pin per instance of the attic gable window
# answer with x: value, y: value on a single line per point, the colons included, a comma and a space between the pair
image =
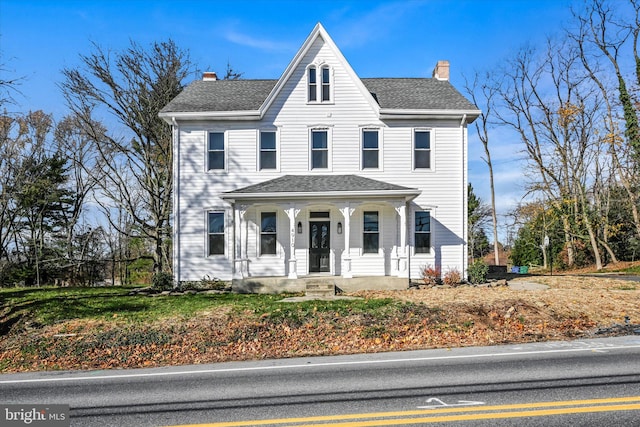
x: 326, y: 86
x: 319, y: 83
x: 313, y: 84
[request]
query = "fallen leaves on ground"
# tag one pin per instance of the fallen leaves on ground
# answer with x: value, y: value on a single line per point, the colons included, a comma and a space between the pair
x: 572, y: 307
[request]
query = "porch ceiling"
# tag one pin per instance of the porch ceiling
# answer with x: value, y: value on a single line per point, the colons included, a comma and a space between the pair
x: 321, y: 187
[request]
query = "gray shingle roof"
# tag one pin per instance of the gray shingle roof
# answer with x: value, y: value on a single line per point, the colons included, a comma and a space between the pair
x: 416, y: 94
x: 319, y: 184
x: 248, y: 95
x: 221, y: 95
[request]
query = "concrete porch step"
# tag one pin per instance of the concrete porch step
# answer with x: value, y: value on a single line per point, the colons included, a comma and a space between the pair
x: 320, y: 288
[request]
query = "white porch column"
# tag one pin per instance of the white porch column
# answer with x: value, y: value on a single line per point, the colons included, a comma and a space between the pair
x: 239, y: 256
x: 293, y: 263
x: 347, y: 210
x: 403, y: 248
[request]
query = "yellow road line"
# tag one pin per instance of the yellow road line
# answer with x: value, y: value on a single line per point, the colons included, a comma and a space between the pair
x: 445, y: 410
x: 490, y: 416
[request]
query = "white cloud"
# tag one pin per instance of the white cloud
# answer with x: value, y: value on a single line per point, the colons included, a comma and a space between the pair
x: 372, y: 25
x: 261, y: 43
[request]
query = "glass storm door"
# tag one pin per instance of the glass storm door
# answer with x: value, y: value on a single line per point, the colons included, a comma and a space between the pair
x: 319, y: 246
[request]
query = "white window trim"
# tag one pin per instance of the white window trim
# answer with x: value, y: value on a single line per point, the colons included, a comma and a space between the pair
x: 329, y: 131
x: 380, y: 148
x: 322, y: 83
x: 432, y: 157
x: 259, y: 253
x: 225, y: 138
x: 206, y: 233
x: 258, y: 149
x: 380, y: 252
x: 431, y: 253
x: 319, y: 65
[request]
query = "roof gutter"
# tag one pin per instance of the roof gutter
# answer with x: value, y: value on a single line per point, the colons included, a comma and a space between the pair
x: 211, y: 115
x: 407, y: 195
x: 394, y: 113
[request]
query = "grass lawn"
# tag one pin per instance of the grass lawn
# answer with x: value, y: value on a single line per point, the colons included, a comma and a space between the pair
x: 103, y: 328
x: 48, y: 306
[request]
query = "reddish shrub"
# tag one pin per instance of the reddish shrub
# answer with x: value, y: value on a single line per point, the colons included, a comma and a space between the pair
x: 452, y: 277
x: 430, y: 275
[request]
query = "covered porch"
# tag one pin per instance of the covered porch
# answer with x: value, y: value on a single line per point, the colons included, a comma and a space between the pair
x: 320, y: 226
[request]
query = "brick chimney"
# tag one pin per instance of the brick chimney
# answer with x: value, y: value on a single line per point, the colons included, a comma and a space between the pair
x: 209, y: 76
x: 441, y: 72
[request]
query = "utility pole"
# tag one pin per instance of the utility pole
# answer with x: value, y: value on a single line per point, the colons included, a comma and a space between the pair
x: 547, y: 244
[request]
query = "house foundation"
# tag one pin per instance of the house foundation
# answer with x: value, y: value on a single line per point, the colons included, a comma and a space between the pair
x: 277, y: 285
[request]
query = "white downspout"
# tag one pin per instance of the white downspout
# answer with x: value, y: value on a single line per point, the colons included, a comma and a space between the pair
x: 176, y: 202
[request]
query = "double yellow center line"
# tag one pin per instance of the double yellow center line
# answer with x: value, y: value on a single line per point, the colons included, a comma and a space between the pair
x: 447, y: 414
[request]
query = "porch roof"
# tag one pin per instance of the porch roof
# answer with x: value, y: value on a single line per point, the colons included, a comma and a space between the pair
x: 321, y: 186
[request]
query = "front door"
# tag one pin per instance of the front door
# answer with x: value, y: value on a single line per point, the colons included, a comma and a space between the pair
x: 319, y: 246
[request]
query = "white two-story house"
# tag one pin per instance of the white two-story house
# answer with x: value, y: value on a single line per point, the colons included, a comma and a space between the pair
x: 320, y: 172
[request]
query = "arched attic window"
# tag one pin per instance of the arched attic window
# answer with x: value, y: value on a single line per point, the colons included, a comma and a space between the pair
x: 313, y: 83
x: 326, y: 83
x: 319, y: 83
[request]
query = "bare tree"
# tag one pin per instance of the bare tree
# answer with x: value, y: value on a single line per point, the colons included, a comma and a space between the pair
x: 603, y: 35
x: 8, y: 85
x: 231, y: 74
x: 554, y: 108
x: 133, y: 86
x: 83, y: 176
x: 609, y: 33
x: 478, y: 214
x: 522, y: 108
x: 482, y: 95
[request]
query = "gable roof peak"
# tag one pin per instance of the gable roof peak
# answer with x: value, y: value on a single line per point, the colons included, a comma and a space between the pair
x: 318, y: 32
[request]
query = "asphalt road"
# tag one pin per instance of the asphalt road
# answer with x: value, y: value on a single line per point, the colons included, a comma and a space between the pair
x: 588, y: 382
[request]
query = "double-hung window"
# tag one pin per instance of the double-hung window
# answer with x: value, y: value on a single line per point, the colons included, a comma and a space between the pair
x: 268, y: 233
x: 215, y: 151
x: 421, y: 149
x: 268, y: 152
x: 370, y: 233
x: 370, y: 149
x: 319, y: 149
x: 215, y: 233
x: 422, y: 232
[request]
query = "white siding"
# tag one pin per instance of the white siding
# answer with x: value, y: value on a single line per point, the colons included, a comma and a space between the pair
x: 443, y: 187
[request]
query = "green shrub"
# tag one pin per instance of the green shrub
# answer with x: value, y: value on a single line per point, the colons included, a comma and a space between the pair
x: 205, y: 284
x: 478, y: 272
x: 162, y: 281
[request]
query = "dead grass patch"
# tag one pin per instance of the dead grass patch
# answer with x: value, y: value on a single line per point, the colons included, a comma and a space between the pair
x: 572, y: 307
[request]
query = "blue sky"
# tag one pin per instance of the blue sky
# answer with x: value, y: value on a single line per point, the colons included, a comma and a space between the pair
x: 259, y: 38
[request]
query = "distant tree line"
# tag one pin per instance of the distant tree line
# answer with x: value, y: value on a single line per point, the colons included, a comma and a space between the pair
x: 88, y: 199
x: 573, y: 106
